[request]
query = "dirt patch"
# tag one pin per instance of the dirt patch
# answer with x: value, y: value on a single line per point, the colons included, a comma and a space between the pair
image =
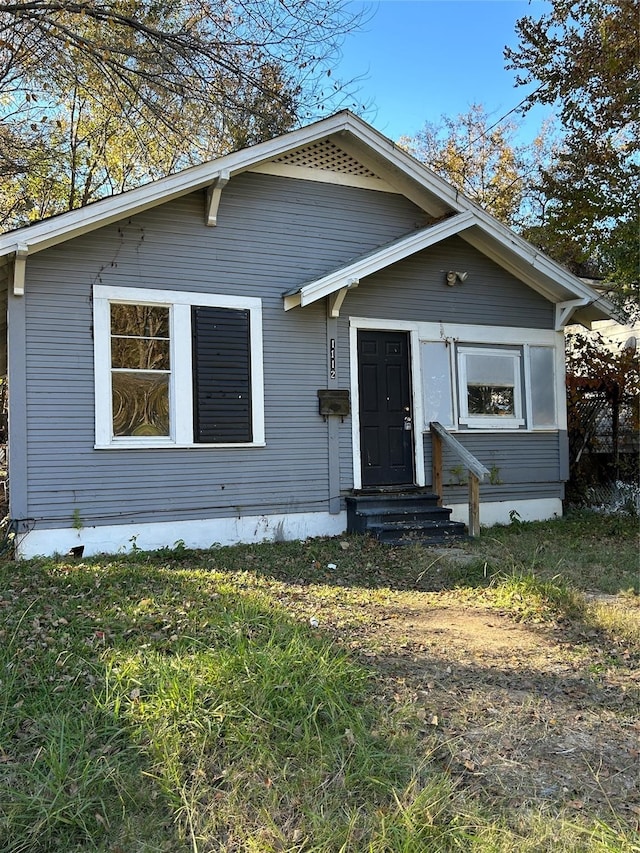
x: 520, y: 714
x: 483, y: 633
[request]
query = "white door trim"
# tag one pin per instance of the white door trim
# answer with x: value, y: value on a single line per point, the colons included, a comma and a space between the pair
x: 355, y: 324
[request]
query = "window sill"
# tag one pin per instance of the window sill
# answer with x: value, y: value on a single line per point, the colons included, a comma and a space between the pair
x: 173, y: 446
x: 459, y: 430
x: 493, y: 423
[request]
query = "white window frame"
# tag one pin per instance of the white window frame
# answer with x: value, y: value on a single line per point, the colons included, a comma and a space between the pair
x: 181, y: 378
x: 471, y: 335
x: 474, y: 421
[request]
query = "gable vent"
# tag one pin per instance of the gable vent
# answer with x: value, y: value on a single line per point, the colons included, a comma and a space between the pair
x: 325, y: 155
x: 326, y: 162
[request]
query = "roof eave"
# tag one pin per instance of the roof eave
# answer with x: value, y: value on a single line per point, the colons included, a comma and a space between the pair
x: 63, y: 227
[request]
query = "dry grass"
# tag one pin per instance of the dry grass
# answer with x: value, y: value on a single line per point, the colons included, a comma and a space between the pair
x: 333, y: 695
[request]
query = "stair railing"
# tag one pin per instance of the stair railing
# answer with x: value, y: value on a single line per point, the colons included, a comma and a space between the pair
x: 475, y: 469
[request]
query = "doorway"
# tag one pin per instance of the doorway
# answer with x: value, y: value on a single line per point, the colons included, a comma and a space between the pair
x: 385, y: 412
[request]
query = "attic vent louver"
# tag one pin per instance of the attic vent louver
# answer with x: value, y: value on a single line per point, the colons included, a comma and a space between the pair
x: 325, y: 155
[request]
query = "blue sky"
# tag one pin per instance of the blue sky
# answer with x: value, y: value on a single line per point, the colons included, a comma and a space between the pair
x: 421, y: 59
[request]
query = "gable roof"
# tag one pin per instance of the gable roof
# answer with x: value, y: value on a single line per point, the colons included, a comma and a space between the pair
x: 341, y: 149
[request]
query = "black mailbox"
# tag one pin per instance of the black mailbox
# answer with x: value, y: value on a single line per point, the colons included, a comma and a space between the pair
x: 334, y: 401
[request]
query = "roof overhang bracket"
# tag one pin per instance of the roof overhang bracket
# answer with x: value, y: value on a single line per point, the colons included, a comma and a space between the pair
x: 564, y: 310
x: 20, y: 269
x: 214, y: 193
x: 336, y: 299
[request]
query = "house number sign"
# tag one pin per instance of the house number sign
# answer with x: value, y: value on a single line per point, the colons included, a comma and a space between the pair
x: 332, y: 358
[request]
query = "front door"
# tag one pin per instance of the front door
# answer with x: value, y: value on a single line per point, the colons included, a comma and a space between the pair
x: 386, y: 434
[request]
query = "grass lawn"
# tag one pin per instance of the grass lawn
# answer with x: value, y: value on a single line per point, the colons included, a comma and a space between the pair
x: 332, y: 695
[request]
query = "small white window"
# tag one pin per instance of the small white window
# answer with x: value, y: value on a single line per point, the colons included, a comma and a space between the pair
x: 490, y: 388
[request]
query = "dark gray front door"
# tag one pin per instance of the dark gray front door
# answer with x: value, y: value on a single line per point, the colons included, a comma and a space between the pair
x: 386, y: 437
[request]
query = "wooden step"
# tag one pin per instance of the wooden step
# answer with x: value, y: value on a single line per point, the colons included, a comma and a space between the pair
x: 418, y: 533
x: 401, y: 517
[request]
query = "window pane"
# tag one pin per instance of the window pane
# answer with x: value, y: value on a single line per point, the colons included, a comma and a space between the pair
x: 491, y: 400
x: 490, y: 385
x: 140, y: 403
x: 491, y: 370
x: 436, y: 383
x: 140, y: 353
x: 140, y: 321
x: 543, y: 395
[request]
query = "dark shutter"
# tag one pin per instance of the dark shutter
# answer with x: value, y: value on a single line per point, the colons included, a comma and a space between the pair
x: 221, y: 375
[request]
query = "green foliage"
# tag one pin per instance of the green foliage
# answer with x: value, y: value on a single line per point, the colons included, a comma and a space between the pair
x: 520, y: 589
x: 97, y: 99
x: 239, y: 718
x: 494, y: 475
x: 584, y: 58
x: 585, y: 551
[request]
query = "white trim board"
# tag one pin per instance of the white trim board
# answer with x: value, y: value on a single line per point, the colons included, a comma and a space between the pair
x: 393, y: 252
x: 467, y: 332
x: 205, y: 533
x: 499, y: 512
x: 323, y: 176
x: 416, y: 394
x: 58, y: 229
x: 200, y: 533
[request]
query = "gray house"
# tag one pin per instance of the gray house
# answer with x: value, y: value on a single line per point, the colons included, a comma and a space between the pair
x: 238, y: 351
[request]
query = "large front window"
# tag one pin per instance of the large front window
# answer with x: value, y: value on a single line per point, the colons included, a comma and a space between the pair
x: 486, y: 386
x: 177, y: 369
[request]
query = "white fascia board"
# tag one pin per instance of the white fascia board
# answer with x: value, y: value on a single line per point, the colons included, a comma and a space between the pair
x: 519, y: 264
x: 411, y: 167
x: 65, y: 226
x: 58, y: 229
x: 390, y: 254
x: 532, y: 266
x: 535, y: 268
x: 538, y: 271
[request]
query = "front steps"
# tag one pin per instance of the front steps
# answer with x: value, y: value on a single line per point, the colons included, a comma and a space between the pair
x: 402, y: 517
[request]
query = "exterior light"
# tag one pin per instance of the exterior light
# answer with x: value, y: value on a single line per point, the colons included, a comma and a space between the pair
x: 452, y: 277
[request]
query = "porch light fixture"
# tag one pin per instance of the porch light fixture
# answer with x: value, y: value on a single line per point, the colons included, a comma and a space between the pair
x: 452, y: 277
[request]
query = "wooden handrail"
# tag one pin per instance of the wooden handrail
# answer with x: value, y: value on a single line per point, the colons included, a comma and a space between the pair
x: 477, y: 471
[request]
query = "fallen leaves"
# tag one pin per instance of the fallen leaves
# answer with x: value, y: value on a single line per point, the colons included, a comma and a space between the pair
x: 519, y: 712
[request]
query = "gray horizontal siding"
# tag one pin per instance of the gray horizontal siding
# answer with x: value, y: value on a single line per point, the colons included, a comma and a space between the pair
x: 415, y: 289
x: 513, y: 492
x: 522, y: 465
x: 273, y: 234
x: 290, y: 474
